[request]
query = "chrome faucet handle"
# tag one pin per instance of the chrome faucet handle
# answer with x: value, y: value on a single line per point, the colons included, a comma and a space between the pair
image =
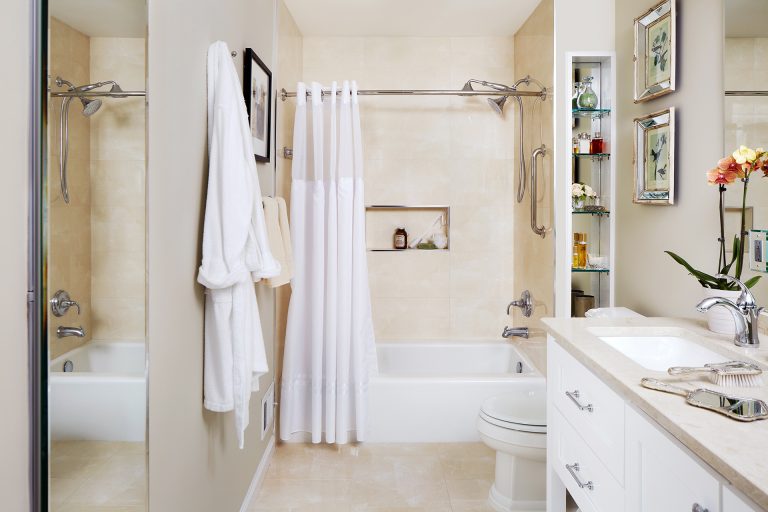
x: 746, y: 299
x: 525, y: 304
x: 61, y: 302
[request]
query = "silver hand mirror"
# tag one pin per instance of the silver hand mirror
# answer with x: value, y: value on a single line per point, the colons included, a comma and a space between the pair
x: 742, y: 409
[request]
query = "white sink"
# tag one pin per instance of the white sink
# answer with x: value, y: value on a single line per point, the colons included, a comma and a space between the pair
x: 658, y: 353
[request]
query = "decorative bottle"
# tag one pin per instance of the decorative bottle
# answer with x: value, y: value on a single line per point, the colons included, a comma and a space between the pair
x: 588, y: 98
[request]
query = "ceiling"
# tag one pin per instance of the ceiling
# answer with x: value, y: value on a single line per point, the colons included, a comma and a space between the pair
x: 102, y: 18
x: 746, y: 18
x: 410, y: 17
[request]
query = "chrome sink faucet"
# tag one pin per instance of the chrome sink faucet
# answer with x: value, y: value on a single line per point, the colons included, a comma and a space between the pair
x: 745, y: 313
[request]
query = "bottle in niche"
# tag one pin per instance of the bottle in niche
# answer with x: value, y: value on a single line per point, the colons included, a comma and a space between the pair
x: 575, y: 145
x: 400, y: 239
x: 582, y: 250
x: 584, y: 143
x: 588, y: 98
x: 576, y: 238
x: 596, y: 145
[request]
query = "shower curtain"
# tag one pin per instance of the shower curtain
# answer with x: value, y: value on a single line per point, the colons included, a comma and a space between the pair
x: 329, y: 342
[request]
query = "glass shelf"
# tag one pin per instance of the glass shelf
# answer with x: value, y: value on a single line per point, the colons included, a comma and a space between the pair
x: 604, y: 213
x: 594, y: 156
x: 594, y: 113
x: 594, y: 270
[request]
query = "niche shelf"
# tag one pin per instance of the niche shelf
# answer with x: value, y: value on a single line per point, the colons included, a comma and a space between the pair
x: 594, y: 113
x: 381, y: 220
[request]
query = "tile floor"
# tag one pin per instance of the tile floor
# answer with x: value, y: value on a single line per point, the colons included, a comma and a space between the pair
x: 437, y: 477
x: 91, y: 476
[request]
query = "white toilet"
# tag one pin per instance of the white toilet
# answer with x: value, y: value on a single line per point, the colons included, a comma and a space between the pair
x: 515, y: 425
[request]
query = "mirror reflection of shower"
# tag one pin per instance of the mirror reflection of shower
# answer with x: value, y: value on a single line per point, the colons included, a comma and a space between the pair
x: 91, y: 104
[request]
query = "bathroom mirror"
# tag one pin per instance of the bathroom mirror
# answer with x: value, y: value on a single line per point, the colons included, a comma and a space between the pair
x: 93, y: 240
x: 745, y: 81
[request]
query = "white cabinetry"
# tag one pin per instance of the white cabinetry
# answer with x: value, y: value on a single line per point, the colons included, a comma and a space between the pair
x: 611, y: 458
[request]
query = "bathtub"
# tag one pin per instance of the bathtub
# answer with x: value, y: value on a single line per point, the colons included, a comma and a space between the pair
x: 104, y: 397
x: 432, y: 391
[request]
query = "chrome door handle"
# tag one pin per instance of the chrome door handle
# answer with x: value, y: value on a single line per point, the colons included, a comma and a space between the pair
x: 573, y: 469
x: 698, y: 508
x: 574, y: 396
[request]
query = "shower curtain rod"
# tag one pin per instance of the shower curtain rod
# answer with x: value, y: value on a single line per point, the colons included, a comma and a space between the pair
x: 97, y: 94
x: 284, y: 95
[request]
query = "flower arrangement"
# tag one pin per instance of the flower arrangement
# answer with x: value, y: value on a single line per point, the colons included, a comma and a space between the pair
x: 736, y: 167
x: 580, y: 193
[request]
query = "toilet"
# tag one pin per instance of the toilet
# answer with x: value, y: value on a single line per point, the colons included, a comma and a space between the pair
x: 514, y: 424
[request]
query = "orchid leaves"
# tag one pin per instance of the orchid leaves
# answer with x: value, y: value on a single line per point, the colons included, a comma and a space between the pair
x: 710, y: 281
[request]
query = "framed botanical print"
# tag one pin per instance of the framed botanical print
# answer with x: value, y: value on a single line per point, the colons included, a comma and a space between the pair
x: 655, y: 52
x: 257, y: 88
x: 654, y: 158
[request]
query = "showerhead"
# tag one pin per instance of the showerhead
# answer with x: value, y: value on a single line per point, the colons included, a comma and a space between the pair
x: 90, y: 106
x: 497, y: 104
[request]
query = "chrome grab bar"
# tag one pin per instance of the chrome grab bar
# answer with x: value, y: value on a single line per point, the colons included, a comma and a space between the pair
x: 574, y: 396
x: 573, y: 469
x: 540, y: 151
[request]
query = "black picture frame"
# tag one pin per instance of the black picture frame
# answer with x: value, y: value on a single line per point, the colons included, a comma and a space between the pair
x: 257, y: 90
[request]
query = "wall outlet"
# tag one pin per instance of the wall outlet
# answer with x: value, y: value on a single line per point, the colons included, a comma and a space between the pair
x: 268, y: 410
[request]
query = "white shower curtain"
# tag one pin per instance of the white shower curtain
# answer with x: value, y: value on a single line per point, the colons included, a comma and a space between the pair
x: 329, y: 343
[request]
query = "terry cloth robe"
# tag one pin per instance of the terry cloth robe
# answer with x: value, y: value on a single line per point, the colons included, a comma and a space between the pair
x: 235, y: 249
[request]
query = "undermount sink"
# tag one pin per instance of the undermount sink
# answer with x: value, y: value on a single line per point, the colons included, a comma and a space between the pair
x: 658, y: 353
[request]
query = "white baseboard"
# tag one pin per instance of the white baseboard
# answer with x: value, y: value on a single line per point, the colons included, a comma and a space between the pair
x: 258, y: 476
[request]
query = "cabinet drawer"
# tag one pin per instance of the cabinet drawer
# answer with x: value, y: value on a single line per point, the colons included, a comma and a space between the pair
x: 732, y: 502
x: 661, y: 475
x: 587, y: 479
x: 595, y: 411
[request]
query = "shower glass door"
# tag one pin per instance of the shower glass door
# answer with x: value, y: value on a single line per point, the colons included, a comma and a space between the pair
x: 94, y: 257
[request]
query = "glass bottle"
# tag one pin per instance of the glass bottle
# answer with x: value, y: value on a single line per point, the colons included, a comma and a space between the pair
x: 575, y: 145
x: 576, y: 238
x: 596, y: 145
x: 400, y: 239
x: 576, y: 92
x: 584, y: 143
x: 588, y: 98
x: 582, y: 250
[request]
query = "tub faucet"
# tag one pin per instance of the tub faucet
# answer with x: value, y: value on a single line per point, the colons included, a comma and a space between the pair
x: 63, y: 332
x: 521, y: 332
x: 744, y: 311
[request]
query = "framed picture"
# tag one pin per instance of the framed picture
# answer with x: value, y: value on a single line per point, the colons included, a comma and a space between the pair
x: 257, y: 88
x: 655, y: 54
x: 654, y: 158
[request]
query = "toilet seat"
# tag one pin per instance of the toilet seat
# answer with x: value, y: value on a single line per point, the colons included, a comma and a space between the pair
x: 523, y: 411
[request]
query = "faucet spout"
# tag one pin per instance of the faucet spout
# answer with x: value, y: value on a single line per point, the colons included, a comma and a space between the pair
x: 63, y: 332
x: 744, y: 334
x: 521, y: 332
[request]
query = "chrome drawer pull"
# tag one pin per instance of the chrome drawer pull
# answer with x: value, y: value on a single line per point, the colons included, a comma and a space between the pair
x: 574, y: 396
x: 698, y: 508
x: 574, y: 468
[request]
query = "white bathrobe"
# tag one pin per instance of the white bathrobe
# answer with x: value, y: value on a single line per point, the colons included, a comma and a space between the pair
x: 235, y: 249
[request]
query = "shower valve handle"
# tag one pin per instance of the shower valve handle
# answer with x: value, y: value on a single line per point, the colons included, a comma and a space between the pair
x: 61, y: 302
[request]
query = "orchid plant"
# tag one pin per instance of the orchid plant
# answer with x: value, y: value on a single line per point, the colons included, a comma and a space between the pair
x: 738, y: 166
x: 580, y: 192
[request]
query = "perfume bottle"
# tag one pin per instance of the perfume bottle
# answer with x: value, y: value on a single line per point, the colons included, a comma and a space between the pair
x: 588, y: 98
x: 576, y: 91
x: 596, y: 145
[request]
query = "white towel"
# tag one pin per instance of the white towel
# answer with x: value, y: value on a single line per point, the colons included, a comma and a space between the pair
x: 276, y: 215
x: 235, y: 248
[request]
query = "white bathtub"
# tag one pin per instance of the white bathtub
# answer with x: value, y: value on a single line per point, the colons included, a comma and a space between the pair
x: 104, y: 398
x: 432, y: 391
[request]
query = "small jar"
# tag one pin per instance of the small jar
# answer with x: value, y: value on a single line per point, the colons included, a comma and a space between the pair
x: 596, y: 145
x: 400, y: 239
x: 575, y: 144
x: 584, y: 143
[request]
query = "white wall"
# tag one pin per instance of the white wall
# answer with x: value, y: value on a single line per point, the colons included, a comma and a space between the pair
x: 15, y: 35
x: 194, y: 463
x: 647, y: 280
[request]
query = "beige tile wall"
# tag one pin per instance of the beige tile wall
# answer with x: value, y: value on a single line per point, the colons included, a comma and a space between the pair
x: 534, y: 256
x: 69, y: 227
x: 434, y: 150
x: 117, y: 158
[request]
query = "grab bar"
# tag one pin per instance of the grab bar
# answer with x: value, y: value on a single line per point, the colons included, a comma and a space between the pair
x: 540, y: 151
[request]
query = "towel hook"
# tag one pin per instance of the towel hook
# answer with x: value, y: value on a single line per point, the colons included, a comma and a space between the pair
x: 234, y: 53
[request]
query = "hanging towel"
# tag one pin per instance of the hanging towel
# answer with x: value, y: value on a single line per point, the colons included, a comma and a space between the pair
x: 276, y: 214
x: 235, y: 249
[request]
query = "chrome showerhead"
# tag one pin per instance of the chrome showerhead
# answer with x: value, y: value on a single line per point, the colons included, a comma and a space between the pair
x: 497, y: 104
x: 90, y: 106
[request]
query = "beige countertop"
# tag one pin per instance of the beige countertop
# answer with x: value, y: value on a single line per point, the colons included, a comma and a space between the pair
x: 738, y: 451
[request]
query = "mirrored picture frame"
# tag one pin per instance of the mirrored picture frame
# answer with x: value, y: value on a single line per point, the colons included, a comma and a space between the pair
x: 655, y: 56
x: 654, y: 158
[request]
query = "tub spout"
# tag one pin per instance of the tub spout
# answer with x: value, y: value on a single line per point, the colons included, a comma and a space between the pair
x: 521, y: 332
x: 63, y: 332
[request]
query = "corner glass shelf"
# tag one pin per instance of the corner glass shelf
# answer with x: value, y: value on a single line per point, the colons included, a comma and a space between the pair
x: 595, y: 270
x: 594, y: 113
x: 603, y: 213
x: 593, y: 156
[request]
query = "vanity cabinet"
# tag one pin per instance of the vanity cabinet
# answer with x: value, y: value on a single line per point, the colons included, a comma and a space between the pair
x: 610, y: 457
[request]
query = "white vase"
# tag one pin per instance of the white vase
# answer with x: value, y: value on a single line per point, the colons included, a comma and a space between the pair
x: 719, y: 318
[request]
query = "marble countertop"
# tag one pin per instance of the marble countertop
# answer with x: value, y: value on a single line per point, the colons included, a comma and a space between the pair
x: 738, y: 451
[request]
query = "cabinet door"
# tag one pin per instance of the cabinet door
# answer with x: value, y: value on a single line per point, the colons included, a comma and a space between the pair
x: 733, y: 503
x: 661, y: 476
